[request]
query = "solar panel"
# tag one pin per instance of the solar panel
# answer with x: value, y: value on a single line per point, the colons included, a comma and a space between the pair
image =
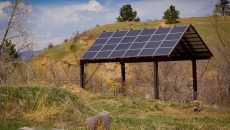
x: 163, y: 30
x: 174, y: 36
x: 101, y: 41
x: 132, y: 53
x: 148, y: 31
x: 119, y: 34
x: 179, y: 29
x: 168, y: 43
x: 147, y: 52
x: 117, y: 54
x: 95, y: 48
x: 152, y: 44
x: 128, y: 39
x: 123, y: 46
x: 138, y: 45
x: 103, y: 54
x: 89, y: 55
x: 105, y: 35
x: 108, y: 47
x: 158, y: 37
x: 114, y: 40
x: 162, y: 51
x: 142, y: 38
x: 133, y: 33
x: 135, y: 43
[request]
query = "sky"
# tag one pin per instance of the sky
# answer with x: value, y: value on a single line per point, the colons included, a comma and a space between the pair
x: 52, y: 21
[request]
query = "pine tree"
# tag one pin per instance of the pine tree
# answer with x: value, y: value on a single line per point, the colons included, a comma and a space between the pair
x: 127, y: 14
x: 171, y: 15
x: 50, y: 46
x: 9, y: 50
x: 222, y: 8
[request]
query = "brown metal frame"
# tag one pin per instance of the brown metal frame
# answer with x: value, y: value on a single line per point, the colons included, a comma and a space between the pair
x: 156, y: 80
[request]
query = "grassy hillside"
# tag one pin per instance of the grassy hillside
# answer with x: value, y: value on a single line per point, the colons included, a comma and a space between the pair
x: 71, y: 51
x: 204, y: 26
x: 68, y: 107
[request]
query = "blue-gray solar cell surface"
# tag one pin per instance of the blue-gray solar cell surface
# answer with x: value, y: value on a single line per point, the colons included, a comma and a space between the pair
x: 135, y: 43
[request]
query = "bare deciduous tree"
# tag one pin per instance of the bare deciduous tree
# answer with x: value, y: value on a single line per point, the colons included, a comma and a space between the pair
x: 16, y: 32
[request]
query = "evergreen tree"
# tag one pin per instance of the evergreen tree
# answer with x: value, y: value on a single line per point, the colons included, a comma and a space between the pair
x: 171, y: 15
x: 9, y: 50
x: 50, y: 46
x: 222, y: 8
x: 127, y: 14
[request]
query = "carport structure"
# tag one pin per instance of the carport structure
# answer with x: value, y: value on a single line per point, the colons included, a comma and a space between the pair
x: 177, y: 43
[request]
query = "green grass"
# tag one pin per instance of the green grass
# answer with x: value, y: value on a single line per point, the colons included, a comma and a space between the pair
x: 26, y: 106
x: 56, y: 52
x: 138, y: 113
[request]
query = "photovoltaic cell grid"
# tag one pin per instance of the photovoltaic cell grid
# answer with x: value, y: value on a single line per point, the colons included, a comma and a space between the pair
x: 135, y: 43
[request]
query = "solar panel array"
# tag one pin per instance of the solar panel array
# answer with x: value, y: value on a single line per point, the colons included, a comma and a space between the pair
x: 135, y: 43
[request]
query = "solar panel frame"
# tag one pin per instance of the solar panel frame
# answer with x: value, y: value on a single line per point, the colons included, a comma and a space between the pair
x: 132, y: 44
x: 88, y: 57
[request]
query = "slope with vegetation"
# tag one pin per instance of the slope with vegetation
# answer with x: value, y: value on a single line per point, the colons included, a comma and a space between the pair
x: 68, y: 107
x: 83, y: 41
x: 60, y: 65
